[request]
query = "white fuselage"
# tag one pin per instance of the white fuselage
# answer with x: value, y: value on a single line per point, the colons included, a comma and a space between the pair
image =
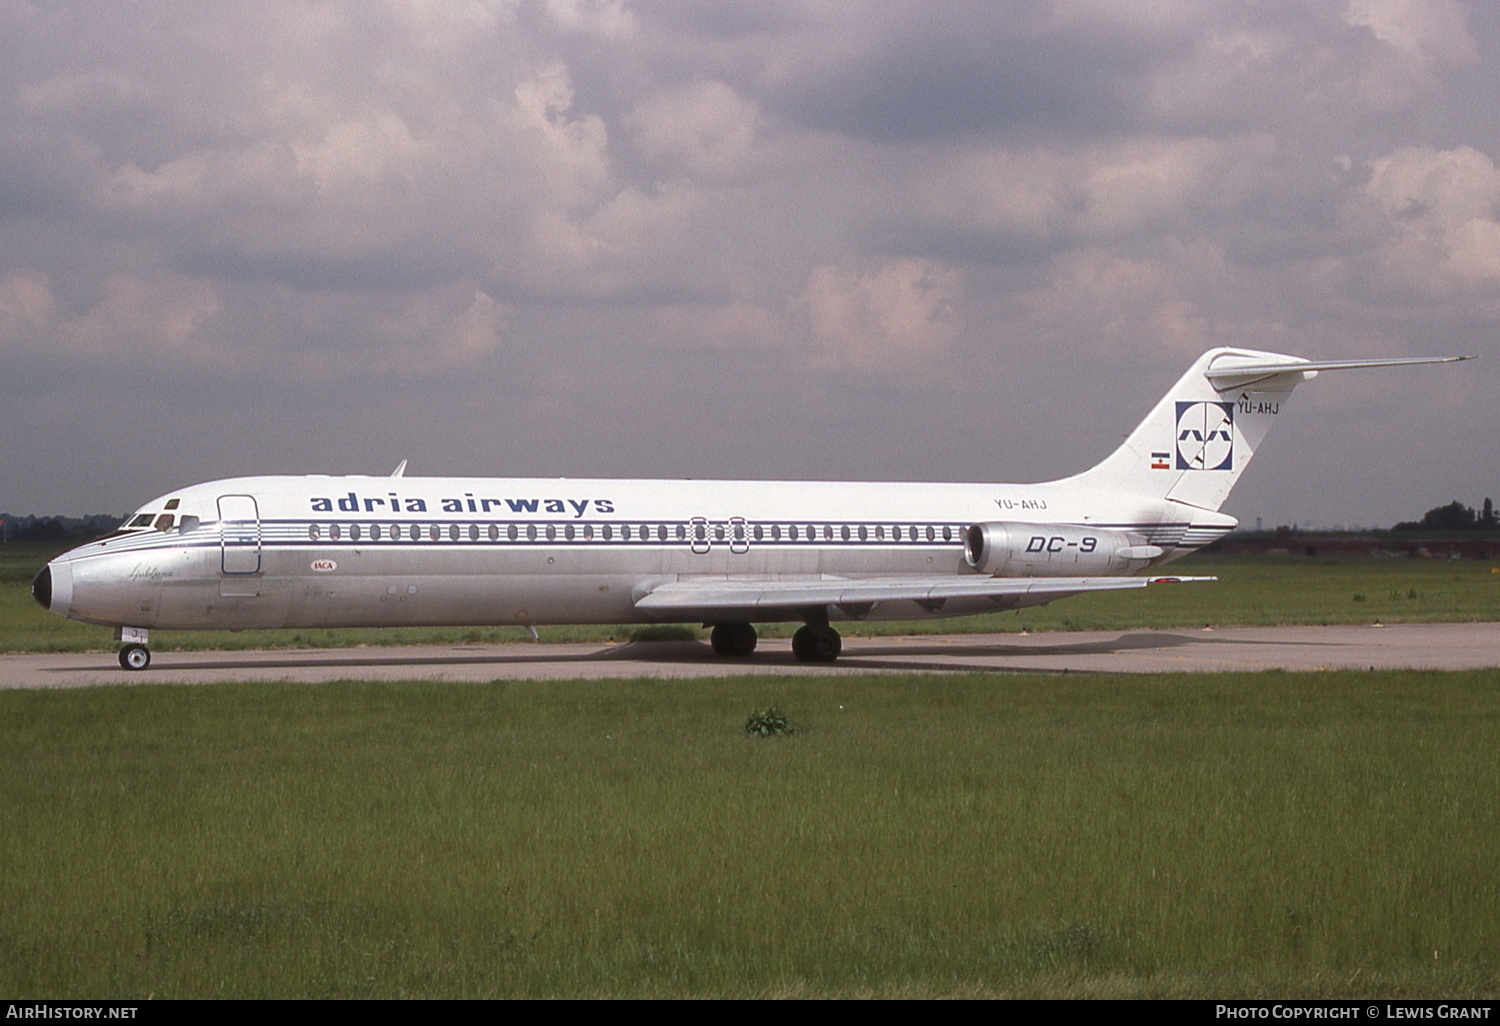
x: 371, y: 551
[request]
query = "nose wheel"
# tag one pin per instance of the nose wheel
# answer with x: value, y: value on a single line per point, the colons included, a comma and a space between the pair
x: 135, y: 657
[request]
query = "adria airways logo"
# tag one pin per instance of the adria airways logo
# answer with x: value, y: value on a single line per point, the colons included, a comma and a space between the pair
x: 1205, y: 436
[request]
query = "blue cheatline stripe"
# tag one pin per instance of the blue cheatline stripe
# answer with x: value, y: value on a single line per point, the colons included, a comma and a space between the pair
x: 295, y: 534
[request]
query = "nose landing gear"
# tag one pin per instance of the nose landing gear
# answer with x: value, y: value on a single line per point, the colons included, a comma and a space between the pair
x: 135, y: 657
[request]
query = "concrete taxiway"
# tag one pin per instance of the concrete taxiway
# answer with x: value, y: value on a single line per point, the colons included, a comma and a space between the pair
x: 1435, y: 646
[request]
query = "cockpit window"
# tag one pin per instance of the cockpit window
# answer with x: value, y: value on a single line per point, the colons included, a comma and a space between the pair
x: 164, y: 522
x: 139, y: 520
x: 171, y: 504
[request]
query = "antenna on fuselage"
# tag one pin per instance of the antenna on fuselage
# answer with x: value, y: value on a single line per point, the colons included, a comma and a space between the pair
x: 400, y: 470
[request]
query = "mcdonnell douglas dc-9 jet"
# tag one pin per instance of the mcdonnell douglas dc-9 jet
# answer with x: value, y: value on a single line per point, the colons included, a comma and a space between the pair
x: 267, y: 552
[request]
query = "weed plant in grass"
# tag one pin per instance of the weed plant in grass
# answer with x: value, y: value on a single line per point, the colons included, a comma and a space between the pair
x: 1252, y: 590
x: 1182, y: 835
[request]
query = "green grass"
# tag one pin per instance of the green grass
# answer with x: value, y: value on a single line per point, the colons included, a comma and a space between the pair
x: 1181, y: 835
x: 1251, y: 590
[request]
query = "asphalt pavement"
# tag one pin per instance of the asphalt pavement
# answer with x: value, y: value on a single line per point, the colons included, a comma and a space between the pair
x: 1434, y: 646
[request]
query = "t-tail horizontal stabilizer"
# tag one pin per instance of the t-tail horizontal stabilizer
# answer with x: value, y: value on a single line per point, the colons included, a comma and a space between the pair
x: 1230, y: 374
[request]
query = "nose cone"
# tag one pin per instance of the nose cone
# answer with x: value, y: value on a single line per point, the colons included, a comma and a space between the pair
x: 53, y: 587
x: 41, y: 587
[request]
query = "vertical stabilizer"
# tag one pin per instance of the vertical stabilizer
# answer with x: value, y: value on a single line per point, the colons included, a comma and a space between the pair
x: 1197, y: 441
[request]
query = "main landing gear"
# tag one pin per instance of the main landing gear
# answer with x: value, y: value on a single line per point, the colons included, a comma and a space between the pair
x: 817, y: 643
x: 735, y: 640
x: 813, y: 643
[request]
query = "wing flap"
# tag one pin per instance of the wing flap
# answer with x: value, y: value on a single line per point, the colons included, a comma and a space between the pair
x: 702, y: 594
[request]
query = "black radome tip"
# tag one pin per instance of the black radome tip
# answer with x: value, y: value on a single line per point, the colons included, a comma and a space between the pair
x: 41, y: 587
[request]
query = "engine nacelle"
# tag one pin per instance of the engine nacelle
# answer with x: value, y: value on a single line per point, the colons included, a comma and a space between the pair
x: 1008, y: 549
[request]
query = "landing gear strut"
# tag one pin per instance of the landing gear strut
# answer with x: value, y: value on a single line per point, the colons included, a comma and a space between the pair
x: 817, y: 643
x: 135, y: 657
x: 735, y: 640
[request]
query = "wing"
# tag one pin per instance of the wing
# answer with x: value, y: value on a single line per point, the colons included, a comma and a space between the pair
x: 704, y: 598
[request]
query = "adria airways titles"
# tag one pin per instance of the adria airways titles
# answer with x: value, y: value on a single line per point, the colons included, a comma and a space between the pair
x: 270, y: 552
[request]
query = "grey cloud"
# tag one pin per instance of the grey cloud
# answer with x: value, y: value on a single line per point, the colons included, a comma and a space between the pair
x: 760, y: 239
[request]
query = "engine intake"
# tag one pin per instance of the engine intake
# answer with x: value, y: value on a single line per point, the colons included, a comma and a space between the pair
x: 1008, y: 549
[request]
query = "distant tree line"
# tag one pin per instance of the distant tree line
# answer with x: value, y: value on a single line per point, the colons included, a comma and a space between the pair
x: 1454, y: 517
x: 56, y: 529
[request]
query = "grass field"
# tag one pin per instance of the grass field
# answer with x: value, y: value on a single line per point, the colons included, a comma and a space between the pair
x: 1252, y: 590
x: 1226, y: 835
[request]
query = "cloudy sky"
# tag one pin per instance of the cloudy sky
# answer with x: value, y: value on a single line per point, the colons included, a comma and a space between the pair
x: 740, y: 238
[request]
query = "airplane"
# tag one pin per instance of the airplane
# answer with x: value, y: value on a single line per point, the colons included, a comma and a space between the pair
x: 361, y: 551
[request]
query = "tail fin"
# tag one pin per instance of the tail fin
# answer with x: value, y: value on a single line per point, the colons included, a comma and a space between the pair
x: 1194, y: 445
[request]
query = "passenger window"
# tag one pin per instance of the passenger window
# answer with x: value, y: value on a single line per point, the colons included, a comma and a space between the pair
x: 314, y: 531
x: 625, y: 532
x: 473, y: 532
x: 792, y: 532
x: 588, y: 532
x: 531, y: 532
x: 510, y: 532
x: 494, y: 532
x: 374, y: 532
x: 681, y: 533
x: 551, y: 532
x: 608, y: 532
x: 844, y: 531
x: 354, y: 532
x: 453, y: 532
x: 568, y: 532
x: 335, y: 532
x: 931, y: 534
x: 947, y: 533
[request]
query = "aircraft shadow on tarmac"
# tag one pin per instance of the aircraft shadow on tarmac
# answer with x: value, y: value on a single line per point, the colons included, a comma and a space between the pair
x: 907, y: 654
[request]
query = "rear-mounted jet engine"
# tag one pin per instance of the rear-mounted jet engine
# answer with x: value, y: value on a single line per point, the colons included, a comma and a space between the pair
x: 1053, y: 550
